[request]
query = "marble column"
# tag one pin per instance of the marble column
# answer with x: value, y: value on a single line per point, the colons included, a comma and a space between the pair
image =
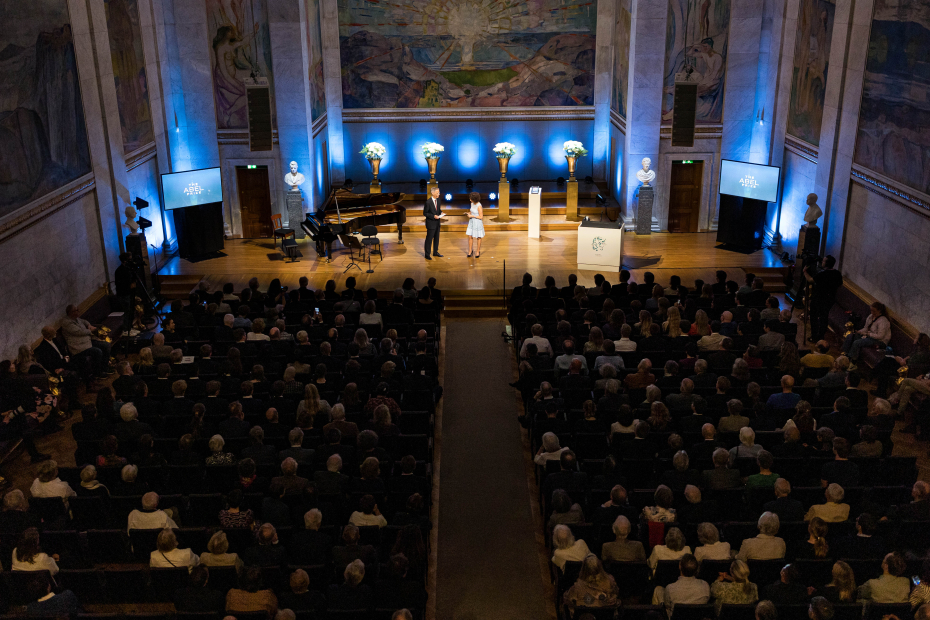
x: 104, y: 137
x: 603, y: 85
x: 291, y: 91
x: 332, y: 76
x: 848, y: 51
x: 644, y: 108
x: 154, y: 50
x: 779, y: 110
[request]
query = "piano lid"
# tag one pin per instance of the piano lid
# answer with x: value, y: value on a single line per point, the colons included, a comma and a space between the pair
x: 349, y: 201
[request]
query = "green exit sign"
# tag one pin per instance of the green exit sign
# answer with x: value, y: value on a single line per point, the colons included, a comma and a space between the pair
x: 684, y: 161
x: 253, y: 166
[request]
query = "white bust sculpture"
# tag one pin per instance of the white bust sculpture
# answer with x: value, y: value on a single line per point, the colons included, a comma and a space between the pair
x: 131, y: 222
x: 294, y: 178
x: 813, y: 211
x: 646, y: 176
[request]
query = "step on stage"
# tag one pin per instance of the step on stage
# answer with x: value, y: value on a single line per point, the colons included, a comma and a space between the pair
x: 689, y: 255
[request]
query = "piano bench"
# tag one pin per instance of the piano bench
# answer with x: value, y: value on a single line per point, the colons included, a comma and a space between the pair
x: 290, y: 249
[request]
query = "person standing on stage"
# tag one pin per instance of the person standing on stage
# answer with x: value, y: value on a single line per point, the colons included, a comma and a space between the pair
x: 475, y: 230
x: 432, y: 213
x: 826, y: 284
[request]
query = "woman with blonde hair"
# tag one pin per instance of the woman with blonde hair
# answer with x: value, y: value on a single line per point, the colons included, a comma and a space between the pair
x: 566, y: 548
x: 312, y: 404
x: 701, y: 325
x: 842, y: 588
x: 167, y: 554
x: 218, y: 552
x: 594, y: 588
x: 28, y: 554
x: 672, y: 326
x: 645, y: 323
x: 673, y: 548
x: 595, y: 340
x: 734, y: 588
x: 816, y: 546
x: 365, y: 347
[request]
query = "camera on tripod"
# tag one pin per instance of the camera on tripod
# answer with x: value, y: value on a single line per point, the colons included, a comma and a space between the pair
x: 811, y: 261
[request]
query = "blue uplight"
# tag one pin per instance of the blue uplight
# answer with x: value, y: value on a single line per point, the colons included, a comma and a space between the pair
x: 448, y: 197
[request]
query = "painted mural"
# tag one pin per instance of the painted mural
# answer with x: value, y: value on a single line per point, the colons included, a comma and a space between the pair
x: 132, y: 95
x: 696, y: 43
x: 315, y: 59
x: 893, y: 139
x: 621, y: 79
x: 43, y: 140
x: 811, y: 62
x: 467, y: 53
x: 241, y: 48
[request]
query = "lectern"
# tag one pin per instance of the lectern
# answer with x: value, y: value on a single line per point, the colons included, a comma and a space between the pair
x: 535, y: 212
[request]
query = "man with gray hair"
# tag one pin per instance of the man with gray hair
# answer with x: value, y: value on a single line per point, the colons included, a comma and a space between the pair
x: 687, y: 590
x: 290, y: 483
x: 130, y: 429
x: 310, y: 545
x: 681, y: 401
x: 702, y: 378
x: 703, y: 451
x: 765, y: 546
x: 257, y: 450
x: 550, y: 450
x: 150, y: 517
x: 623, y: 550
x: 786, y: 508
x: 332, y: 481
x: 295, y: 438
x: 696, y: 509
x: 16, y: 516
x: 351, y: 594
x: 832, y: 511
x: 267, y: 552
x: 348, y: 429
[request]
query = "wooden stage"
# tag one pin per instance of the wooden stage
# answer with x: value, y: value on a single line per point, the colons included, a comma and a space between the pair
x: 692, y: 255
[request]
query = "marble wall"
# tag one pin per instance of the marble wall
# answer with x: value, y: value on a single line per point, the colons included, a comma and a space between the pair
x: 69, y: 271
x: 799, y: 181
x: 885, y: 253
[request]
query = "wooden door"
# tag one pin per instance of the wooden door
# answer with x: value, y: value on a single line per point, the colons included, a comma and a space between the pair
x: 684, y: 201
x: 254, y: 201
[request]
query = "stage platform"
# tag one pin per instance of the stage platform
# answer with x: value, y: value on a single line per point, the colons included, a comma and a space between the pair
x: 693, y: 255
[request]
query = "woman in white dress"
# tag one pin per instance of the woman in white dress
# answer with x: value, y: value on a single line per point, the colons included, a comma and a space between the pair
x: 475, y: 230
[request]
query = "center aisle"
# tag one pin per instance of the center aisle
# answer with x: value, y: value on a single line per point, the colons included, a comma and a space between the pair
x: 488, y: 559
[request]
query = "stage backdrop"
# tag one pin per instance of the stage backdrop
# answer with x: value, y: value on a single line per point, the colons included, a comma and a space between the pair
x: 468, y: 149
x: 43, y: 141
x: 239, y: 40
x: 697, y: 36
x: 892, y: 138
x: 811, y: 62
x: 452, y: 53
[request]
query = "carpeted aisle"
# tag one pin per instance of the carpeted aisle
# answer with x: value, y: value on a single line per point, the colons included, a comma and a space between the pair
x: 488, y: 565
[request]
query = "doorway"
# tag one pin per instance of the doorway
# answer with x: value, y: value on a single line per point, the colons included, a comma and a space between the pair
x: 684, y: 200
x: 254, y: 201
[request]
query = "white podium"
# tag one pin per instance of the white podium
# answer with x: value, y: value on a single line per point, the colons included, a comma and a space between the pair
x: 600, y: 246
x: 535, y: 212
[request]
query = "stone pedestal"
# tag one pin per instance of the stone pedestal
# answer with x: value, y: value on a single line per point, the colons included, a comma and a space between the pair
x: 374, y: 187
x: 503, y: 201
x: 294, y: 202
x: 571, y: 201
x: 645, y: 199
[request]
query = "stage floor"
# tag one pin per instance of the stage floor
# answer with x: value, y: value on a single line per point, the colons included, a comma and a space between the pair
x: 692, y: 255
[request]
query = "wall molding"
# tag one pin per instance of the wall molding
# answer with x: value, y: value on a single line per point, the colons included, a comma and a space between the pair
x: 238, y: 136
x: 140, y: 156
x: 700, y: 131
x: 801, y: 148
x: 391, y: 115
x: 318, y: 126
x: 618, y: 121
x: 892, y: 190
x: 30, y: 215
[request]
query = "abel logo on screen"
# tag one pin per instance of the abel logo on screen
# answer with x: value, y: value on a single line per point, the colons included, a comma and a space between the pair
x: 193, y: 189
x: 749, y: 182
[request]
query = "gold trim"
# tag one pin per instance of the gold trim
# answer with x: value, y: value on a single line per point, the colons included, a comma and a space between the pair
x: 799, y: 147
x: 140, y: 156
x: 390, y: 115
x: 32, y: 216
x: 889, y: 189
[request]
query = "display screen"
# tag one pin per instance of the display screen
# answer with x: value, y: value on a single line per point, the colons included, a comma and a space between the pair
x: 738, y: 178
x: 192, y: 188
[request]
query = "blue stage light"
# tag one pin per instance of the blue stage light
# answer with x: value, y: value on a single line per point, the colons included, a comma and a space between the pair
x: 448, y: 197
x: 492, y: 196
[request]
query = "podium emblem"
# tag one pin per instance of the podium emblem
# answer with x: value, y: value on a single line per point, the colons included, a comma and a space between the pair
x: 598, y: 244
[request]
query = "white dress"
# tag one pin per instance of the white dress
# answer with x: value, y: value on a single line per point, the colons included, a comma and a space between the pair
x: 475, y: 226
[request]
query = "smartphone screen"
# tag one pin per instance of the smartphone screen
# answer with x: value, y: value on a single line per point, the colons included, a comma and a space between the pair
x: 915, y: 580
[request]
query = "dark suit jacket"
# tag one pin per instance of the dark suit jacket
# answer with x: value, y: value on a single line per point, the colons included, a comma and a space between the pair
x: 704, y: 511
x: 786, y: 508
x: 265, y: 555
x: 862, y: 547
x: 702, y: 451
x: 567, y: 480
x: 785, y: 594
x: 430, y: 211
x: 328, y: 482
x: 199, y: 599
x: 637, y: 449
x: 48, y: 357
x: 233, y: 427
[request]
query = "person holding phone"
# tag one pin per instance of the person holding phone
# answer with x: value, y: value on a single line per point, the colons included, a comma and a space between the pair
x: 433, y: 214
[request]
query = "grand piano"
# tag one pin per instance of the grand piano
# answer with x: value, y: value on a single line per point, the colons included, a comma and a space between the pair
x: 345, y: 213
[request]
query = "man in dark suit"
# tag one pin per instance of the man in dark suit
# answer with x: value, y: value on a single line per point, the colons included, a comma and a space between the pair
x: 567, y: 478
x: 864, y: 544
x: 703, y: 451
x: 310, y: 545
x: 396, y: 313
x: 917, y: 510
x: 267, y: 552
x: 787, y: 590
x: 51, y: 355
x: 639, y: 447
x: 433, y: 214
x: 786, y: 508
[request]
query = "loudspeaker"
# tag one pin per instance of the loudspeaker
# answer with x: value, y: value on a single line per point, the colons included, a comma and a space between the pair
x: 741, y: 222
x: 683, y: 113
x: 259, y: 102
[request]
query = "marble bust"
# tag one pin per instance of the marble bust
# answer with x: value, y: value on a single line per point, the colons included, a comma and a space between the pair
x: 813, y: 210
x: 131, y: 222
x: 294, y: 178
x: 646, y: 176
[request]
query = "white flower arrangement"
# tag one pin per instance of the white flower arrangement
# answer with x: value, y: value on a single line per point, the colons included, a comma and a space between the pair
x: 504, y: 149
x: 373, y: 150
x: 431, y: 150
x: 573, y: 147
